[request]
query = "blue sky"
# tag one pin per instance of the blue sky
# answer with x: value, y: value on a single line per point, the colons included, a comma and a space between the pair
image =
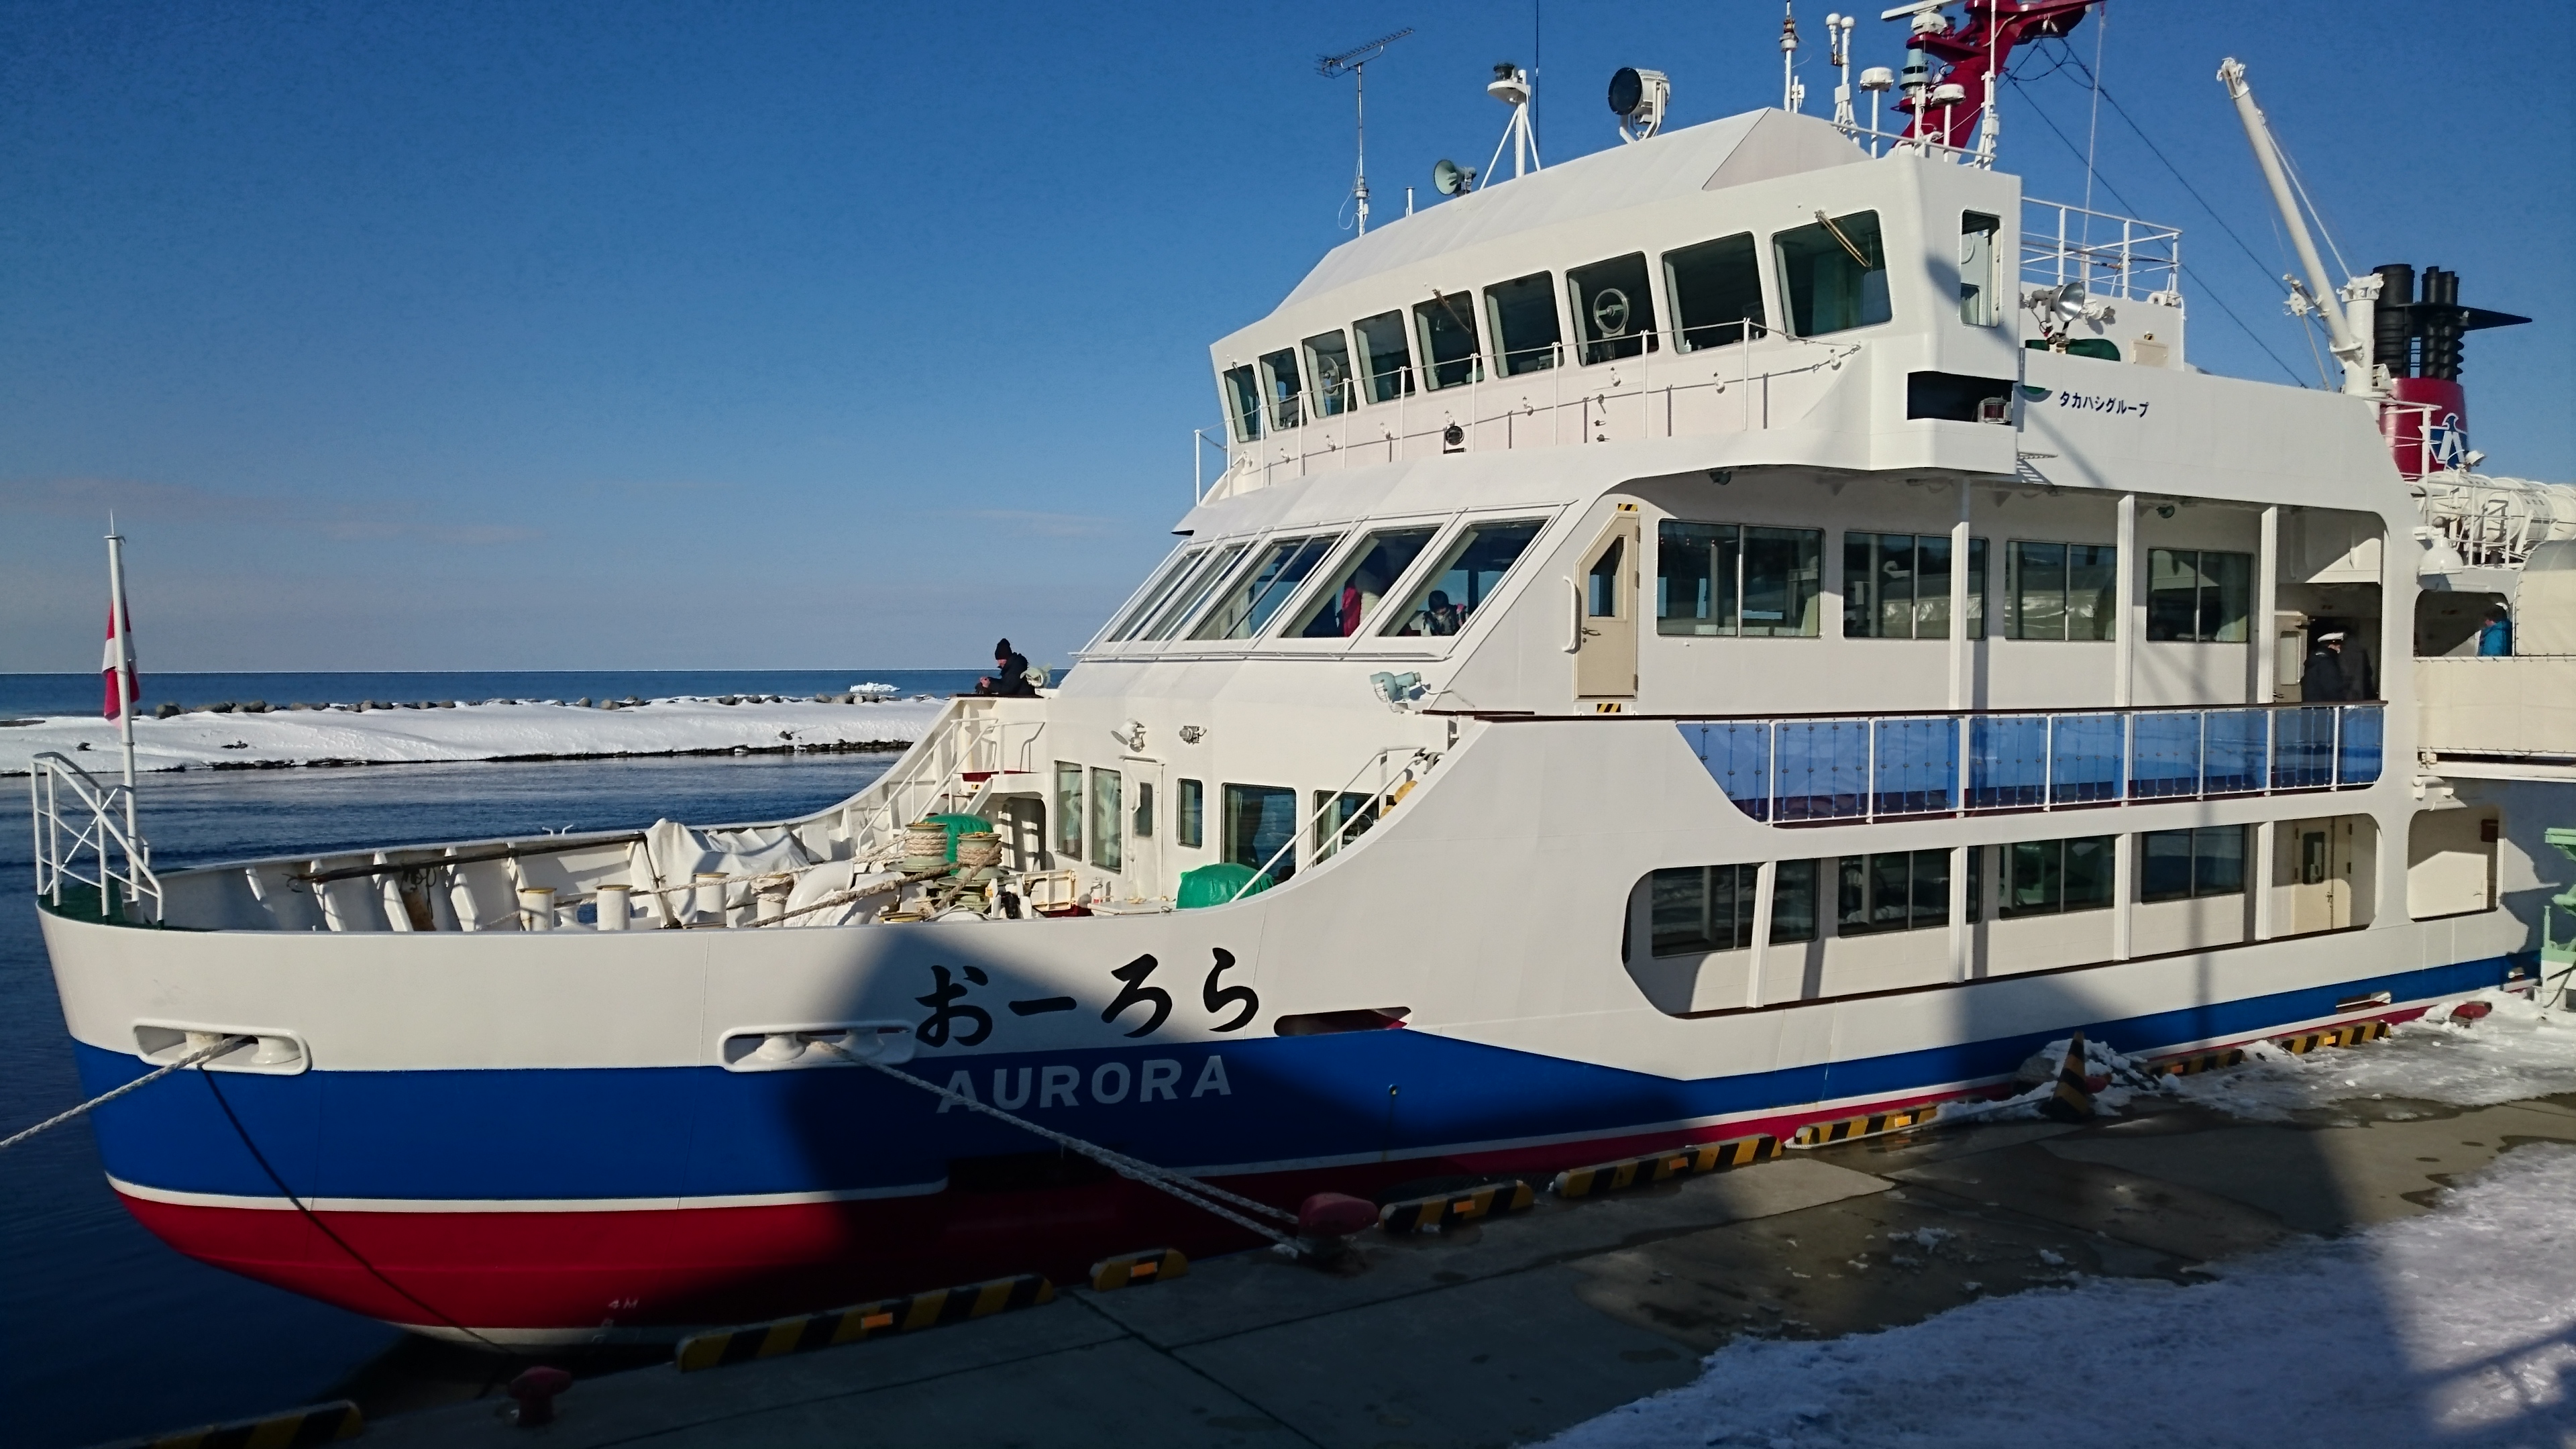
x: 658, y: 335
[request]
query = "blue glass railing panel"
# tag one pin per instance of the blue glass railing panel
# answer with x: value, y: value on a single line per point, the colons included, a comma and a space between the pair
x: 2007, y: 761
x: 2357, y: 748
x: 1915, y: 766
x: 2234, y: 745
x: 2303, y: 748
x: 2164, y: 755
x: 2085, y: 757
x: 1737, y: 754
x: 1820, y: 769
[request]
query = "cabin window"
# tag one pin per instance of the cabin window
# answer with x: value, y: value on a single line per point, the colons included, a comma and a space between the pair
x: 1601, y: 586
x: 1142, y: 825
x: 2061, y: 591
x: 1107, y: 840
x: 1710, y: 907
x: 1276, y: 572
x: 1280, y: 386
x: 1243, y: 404
x: 1328, y: 363
x: 1520, y: 315
x: 1834, y: 274
x: 1383, y: 361
x: 1189, y: 814
x: 1466, y: 577
x: 2049, y: 877
x: 1446, y: 329
x: 1382, y: 559
x: 2176, y: 865
x: 1068, y: 810
x: 1980, y: 304
x: 1203, y: 581
x: 1897, y: 586
x: 1898, y: 890
x: 2200, y: 595
x: 1614, y: 314
x: 1341, y: 818
x: 1259, y: 820
x: 1716, y: 289
x: 1156, y: 593
x: 1718, y: 578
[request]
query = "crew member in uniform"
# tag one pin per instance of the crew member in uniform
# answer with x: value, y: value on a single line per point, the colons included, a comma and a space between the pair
x: 2333, y: 675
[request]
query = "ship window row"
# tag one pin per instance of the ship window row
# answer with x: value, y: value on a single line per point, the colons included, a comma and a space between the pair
x: 1098, y: 813
x: 1697, y: 909
x: 1830, y: 275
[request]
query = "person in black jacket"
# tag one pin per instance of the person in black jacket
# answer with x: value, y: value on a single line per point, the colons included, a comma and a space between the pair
x: 2332, y: 675
x: 1010, y: 676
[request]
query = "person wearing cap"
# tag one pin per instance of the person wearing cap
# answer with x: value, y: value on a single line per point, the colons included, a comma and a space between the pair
x: 1010, y: 676
x: 2495, y: 636
x: 2333, y: 675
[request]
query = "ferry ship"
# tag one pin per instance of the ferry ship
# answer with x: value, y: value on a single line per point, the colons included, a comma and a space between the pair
x: 1760, y: 625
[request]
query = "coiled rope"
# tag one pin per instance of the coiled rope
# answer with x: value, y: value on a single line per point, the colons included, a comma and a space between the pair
x: 102, y: 1099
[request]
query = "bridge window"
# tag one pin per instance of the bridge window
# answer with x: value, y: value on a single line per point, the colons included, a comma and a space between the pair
x: 1382, y: 357
x: 1897, y: 586
x: 1279, y: 384
x: 1186, y: 599
x: 1718, y: 578
x: 1834, y: 274
x: 1520, y: 315
x: 1466, y: 577
x: 1898, y: 890
x: 1156, y: 594
x: 2061, y: 591
x: 2176, y: 865
x: 1702, y: 908
x: 1243, y: 404
x: 1446, y: 326
x: 1380, y: 561
x: 1259, y: 820
x: 1328, y: 362
x: 1980, y: 303
x: 1614, y: 314
x: 2199, y: 594
x: 1276, y: 572
x: 2049, y: 877
x: 1716, y: 289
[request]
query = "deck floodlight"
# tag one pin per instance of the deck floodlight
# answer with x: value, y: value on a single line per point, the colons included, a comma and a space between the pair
x: 1451, y: 179
x: 1638, y: 98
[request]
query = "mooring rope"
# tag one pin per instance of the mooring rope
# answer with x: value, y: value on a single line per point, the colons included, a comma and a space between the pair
x: 1188, y: 1189
x: 102, y: 1099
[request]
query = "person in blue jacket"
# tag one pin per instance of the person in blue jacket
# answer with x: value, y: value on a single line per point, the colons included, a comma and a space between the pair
x: 2495, y: 636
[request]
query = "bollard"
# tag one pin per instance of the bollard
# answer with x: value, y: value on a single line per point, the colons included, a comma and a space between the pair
x: 614, y: 911
x: 535, y: 1390
x: 771, y: 902
x: 536, y: 908
x: 709, y: 904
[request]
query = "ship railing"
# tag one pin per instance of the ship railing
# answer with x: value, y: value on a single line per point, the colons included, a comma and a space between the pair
x: 1819, y: 769
x: 970, y: 740
x: 1732, y: 377
x: 1348, y: 822
x: 2113, y: 256
x: 83, y: 831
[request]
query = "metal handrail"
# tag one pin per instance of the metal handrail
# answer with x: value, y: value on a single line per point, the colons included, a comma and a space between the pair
x: 58, y: 847
x: 1341, y: 837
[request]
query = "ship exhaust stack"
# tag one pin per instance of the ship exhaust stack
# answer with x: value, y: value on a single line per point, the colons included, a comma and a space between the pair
x: 2416, y: 338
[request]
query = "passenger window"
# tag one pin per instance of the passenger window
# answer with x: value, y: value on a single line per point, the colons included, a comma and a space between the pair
x: 2199, y: 595
x: 1614, y: 314
x: 1382, y: 357
x: 1698, y: 575
x: 1187, y: 599
x: 1521, y: 317
x: 1106, y: 839
x: 1279, y: 384
x: 1716, y: 289
x: 1261, y: 822
x: 1467, y: 576
x: 1328, y: 362
x: 1448, y: 335
x: 1068, y: 810
x: 1897, y: 586
x: 1155, y: 595
x: 2176, y: 865
x: 1281, y: 566
x: 2061, y: 591
x: 2046, y: 877
x: 1980, y: 305
x: 1783, y: 580
x: 1710, y: 908
x: 1381, y: 560
x: 1189, y: 814
x: 1902, y: 890
x: 1834, y: 274
x: 1243, y: 404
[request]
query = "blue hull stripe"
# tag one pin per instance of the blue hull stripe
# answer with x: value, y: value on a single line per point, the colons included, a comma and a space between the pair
x: 669, y: 1132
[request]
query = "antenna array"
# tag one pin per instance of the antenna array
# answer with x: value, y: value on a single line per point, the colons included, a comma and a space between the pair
x: 1355, y: 60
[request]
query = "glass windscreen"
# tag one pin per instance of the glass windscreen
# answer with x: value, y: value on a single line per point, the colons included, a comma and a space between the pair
x: 1467, y: 575
x: 1383, y: 362
x: 1279, y: 386
x: 1520, y: 315
x: 1328, y: 362
x: 1186, y: 600
x: 1382, y: 559
x: 1447, y: 326
x: 1834, y: 274
x: 1277, y: 570
x: 1716, y: 289
x: 1614, y: 314
x: 1155, y: 595
x: 1243, y: 404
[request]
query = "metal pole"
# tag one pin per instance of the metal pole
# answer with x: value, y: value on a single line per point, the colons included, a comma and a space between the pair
x: 124, y: 690
x: 2347, y: 349
x: 2124, y: 574
x: 2267, y: 644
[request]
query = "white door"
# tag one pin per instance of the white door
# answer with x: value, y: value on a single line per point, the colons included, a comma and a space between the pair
x: 1605, y: 612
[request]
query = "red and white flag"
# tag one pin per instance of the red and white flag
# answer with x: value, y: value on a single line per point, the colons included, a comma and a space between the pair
x: 120, y: 655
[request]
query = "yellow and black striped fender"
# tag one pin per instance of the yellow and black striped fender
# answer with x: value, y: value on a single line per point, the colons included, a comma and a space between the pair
x: 292, y: 1429
x: 1818, y: 1134
x: 1421, y: 1214
x: 2340, y: 1036
x: 2200, y: 1062
x: 1131, y: 1269
x: 1629, y: 1171
x: 837, y: 1326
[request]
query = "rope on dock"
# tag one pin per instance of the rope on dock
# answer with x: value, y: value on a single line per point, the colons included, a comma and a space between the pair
x: 1202, y: 1195
x: 102, y: 1099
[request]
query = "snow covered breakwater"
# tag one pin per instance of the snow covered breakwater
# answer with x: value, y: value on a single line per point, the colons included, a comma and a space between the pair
x: 517, y: 730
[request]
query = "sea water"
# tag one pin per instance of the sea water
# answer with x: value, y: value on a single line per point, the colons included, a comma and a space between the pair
x: 104, y: 1332
x: 44, y: 694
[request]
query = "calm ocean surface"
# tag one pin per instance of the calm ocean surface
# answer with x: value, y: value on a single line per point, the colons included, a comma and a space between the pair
x: 105, y: 1333
x: 26, y: 694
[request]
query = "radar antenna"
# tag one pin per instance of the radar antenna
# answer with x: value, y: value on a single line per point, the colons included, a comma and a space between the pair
x: 1355, y: 60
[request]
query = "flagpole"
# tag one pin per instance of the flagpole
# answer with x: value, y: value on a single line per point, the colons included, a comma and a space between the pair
x: 124, y: 671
